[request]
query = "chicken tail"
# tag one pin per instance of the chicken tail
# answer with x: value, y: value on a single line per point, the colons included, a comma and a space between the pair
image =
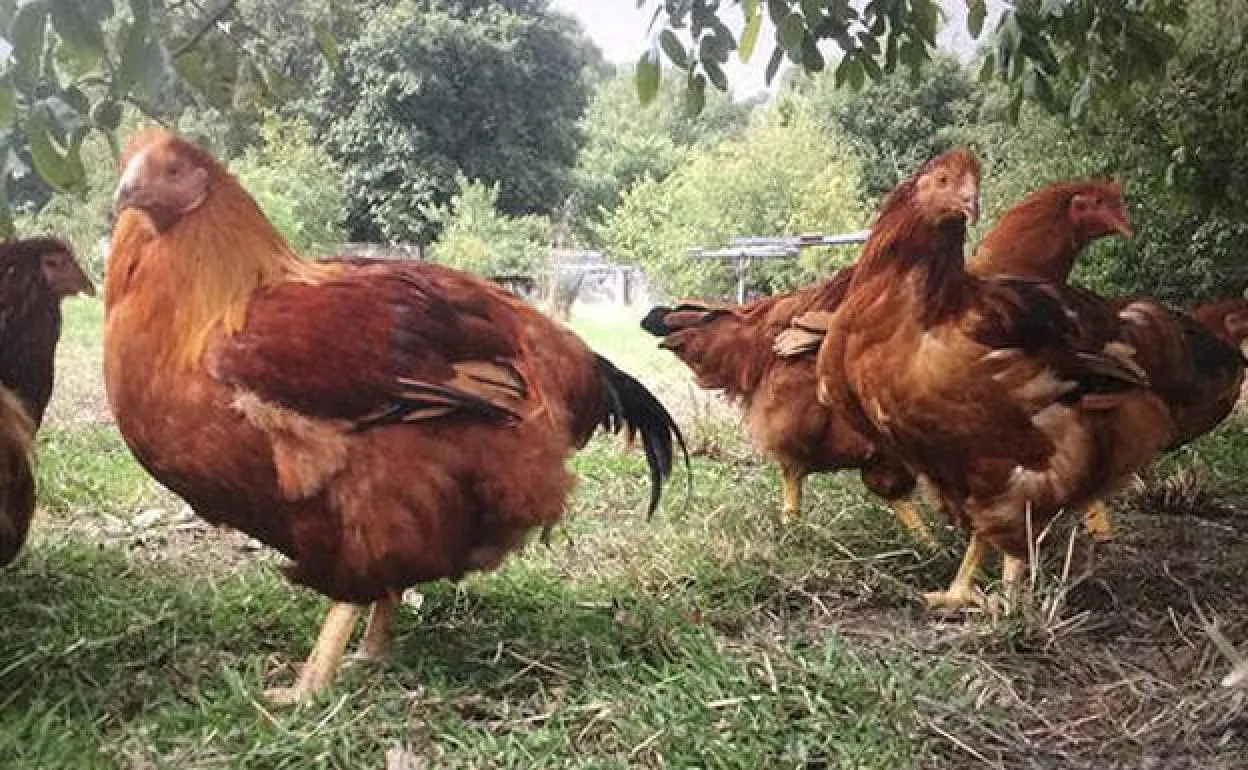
x: 633, y: 408
x: 17, y: 479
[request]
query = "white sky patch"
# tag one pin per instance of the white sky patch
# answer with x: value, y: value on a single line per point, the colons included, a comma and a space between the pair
x: 621, y: 30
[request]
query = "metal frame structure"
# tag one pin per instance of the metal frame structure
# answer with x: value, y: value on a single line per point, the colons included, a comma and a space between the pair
x: 748, y: 248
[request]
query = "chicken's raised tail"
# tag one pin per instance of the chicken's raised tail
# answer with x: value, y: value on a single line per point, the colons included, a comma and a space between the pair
x: 17, y: 480
x: 631, y: 407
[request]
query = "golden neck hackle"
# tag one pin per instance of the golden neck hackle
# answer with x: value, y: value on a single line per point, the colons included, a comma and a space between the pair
x: 206, y: 268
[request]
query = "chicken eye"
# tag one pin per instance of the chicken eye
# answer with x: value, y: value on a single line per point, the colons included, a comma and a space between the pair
x: 173, y: 170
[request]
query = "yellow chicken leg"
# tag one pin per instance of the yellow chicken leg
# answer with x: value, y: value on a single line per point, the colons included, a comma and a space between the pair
x: 791, y: 492
x: 962, y: 593
x: 379, y: 633
x: 1098, y: 521
x: 908, y: 514
x: 322, y: 664
x: 1012, y: 572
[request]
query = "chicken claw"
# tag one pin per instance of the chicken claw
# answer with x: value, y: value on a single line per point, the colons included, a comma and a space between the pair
x: 322, y: 664
x: 962, y: 592
x: 1099, y: 522
x: 908, y: 514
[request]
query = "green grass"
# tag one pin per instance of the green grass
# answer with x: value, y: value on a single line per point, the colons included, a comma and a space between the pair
x: 709, y: 636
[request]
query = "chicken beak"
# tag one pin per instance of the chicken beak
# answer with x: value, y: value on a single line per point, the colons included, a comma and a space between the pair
x: 971, y: 209
x: 127, y: 196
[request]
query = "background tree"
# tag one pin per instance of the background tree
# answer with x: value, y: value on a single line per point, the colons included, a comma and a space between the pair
x: 297, y: 183
x: 896, y: 124
x: 786, y: 174
x: 476, y: 237
x: 431, y: 89
x: 624, y: 143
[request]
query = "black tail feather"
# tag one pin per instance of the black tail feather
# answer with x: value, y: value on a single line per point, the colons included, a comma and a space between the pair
x: 630, y: 406
x: 654, y: 324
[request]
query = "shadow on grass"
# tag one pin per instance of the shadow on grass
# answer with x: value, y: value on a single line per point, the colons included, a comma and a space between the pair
x: 103, y: 665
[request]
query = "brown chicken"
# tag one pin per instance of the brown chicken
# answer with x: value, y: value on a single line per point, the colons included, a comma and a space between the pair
x: 380, y: 424
x: 1042, y: 235
x: 1191, y: 374
x: 35, y: 275
x: 1014, y: 398
x: 730, y: 348
x: 17, y: 478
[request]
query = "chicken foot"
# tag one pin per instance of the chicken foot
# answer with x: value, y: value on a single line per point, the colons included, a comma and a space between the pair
x: 1098, y: 521
x: 908, y: 514
x: 962, y: 592
x: 323, y: 662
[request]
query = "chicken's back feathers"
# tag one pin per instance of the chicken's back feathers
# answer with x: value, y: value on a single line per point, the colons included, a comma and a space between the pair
x: 17, y: 481
x: 1227, y: 319
x: 1196, y: 373
x: 730, y: 348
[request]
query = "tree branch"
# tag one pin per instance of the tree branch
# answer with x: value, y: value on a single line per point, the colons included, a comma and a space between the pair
x: 208, y: 24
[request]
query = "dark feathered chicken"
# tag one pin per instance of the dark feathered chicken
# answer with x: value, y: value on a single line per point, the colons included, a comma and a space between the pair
x: 35, y: 275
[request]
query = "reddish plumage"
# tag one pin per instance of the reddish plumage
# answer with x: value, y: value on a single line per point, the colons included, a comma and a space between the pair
x: 730, y: 348
x: 17, y: 480
x: 1014, y: 397
x: 35, y: 275
x: 1041, y: 235
x: 379, y: 423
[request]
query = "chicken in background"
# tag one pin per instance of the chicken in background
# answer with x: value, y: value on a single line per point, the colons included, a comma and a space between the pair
x: 731, y: 348
x: 1015, y: 398
x: 381, y: 425
x: 1198, y: 383
x: 36, y: 274
x: 17, y: 478
x: 1042, y: 235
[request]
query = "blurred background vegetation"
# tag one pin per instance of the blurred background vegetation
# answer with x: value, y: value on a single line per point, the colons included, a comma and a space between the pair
x: 492, y: 130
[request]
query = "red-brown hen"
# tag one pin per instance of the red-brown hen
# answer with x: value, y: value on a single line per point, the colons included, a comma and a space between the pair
x: 380, y: 424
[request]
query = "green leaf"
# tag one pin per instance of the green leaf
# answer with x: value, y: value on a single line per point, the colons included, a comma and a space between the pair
x: 8, y: 105
x: 106, y: 114
x: 144, y: 63
x: 674, y: 49
x: 7, y: 228
x: 872, y: 67
x: 81, y: 34
x: 812, y: 57
x: 749, y: 35
x: 715, y: 73
x: 54, y: 165
x: 789, y: 35
x: 26, y: 33
x: 988, y: 68
x: 328, y: 44
x: 647, y: 75
x: 1016, y: 105
x: 695, y: 94
x: 773, y: 64
x: 778, y: 10
x: 1037, y: 88
x: 976, y: 12
x: 1079, y: 100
